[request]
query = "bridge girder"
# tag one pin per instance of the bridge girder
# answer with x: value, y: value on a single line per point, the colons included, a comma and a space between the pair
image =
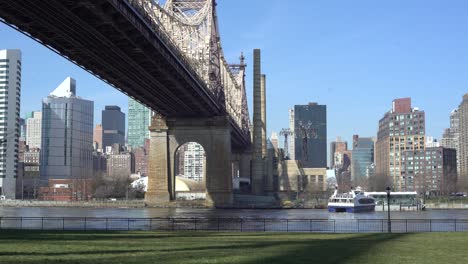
x: 125, y: 44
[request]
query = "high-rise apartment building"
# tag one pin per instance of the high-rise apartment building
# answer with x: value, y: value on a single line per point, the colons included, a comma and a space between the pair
x: 113, y: 126
x: 310, y: 135
x: 363, y: 158
x: 433, y: 170
x: 451, y: 136
x: 34, y: 130
x: 67, y: 137
x: 10, y: 91
x: 97, y: 136
x: 194, y: 161
x: 140, y: 155
x: 119, y: 164
x: 463, y: 143
x: 139, y: 119
x: 22, y: 124
x: 401, y: 129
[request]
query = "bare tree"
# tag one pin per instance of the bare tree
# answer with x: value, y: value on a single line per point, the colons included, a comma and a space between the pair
x: 113, y: 187
x: 313, y: 192
x: 379, y: 182
x: 362, y: 182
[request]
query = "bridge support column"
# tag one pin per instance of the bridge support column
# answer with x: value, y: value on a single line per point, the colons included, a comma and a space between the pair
x: 245, y: 165
x: 158, y: 169
x: 214, y: 134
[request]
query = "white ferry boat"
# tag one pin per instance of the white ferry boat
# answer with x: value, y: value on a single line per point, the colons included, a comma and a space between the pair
x: 353, y: 202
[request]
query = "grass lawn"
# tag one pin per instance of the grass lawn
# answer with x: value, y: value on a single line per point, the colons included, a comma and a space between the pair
x: 204, y: 247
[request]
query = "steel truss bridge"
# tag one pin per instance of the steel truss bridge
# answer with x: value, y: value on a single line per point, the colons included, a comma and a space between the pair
x: 166, y: 55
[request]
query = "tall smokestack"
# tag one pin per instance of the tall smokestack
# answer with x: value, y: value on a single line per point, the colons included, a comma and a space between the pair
x: 263, y: 115
x: 257, y: 159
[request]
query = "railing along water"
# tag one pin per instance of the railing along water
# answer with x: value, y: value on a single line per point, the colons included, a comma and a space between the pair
x: 233, y: 224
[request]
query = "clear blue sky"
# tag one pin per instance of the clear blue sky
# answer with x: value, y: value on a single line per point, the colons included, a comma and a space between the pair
x: 353, y: 56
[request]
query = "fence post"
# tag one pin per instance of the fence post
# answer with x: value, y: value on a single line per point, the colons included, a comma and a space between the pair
x: 173, y: 224
x: 358, y: 222
x: 63, y: 223
x: 128, y: 224
x: 381, y: 224
x: 287, y: 225
x: 42, y: 223
x: 242, y: 222
x: 264, y: 225
x: 406, y: 226
x: 334, y: 225
x: 430, y: 225
x: 107, y: 220
x: 310, y: 225
x: 455, y: 225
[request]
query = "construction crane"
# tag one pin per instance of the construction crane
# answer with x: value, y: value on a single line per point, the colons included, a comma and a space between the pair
x: 286, y: 132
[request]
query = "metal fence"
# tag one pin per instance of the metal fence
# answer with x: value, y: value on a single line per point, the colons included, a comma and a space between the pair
x: 235, y: 224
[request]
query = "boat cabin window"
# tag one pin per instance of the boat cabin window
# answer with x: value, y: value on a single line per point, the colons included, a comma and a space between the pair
x: 366, y: 201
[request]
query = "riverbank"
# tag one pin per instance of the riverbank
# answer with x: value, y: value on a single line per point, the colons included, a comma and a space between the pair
x: 245, y: 248
x: 101, y: 204
x: 201, y: 204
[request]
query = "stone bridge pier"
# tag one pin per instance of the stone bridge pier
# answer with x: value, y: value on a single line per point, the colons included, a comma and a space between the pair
x: 167, y: 135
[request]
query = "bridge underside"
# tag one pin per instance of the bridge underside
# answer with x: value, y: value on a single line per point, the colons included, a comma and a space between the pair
x: 118, y: 45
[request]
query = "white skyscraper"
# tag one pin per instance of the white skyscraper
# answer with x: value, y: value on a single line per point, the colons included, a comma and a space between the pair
x: 194, y: 160
x: 33, y: 130
x: 67, y: 135
x: 10, y: 90
x: 291, y: 150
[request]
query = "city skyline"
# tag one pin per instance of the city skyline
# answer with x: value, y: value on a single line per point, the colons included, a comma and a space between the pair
x: 310, y: 126
x: 336, y: 84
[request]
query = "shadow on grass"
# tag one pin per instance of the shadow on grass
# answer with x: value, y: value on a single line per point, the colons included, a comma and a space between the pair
x: 193, y: 247
x: 337, y: 250
x: 39, y: 235
x: 51, y: 254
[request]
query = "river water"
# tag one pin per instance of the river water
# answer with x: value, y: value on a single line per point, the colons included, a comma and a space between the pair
x: 221, y: 213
